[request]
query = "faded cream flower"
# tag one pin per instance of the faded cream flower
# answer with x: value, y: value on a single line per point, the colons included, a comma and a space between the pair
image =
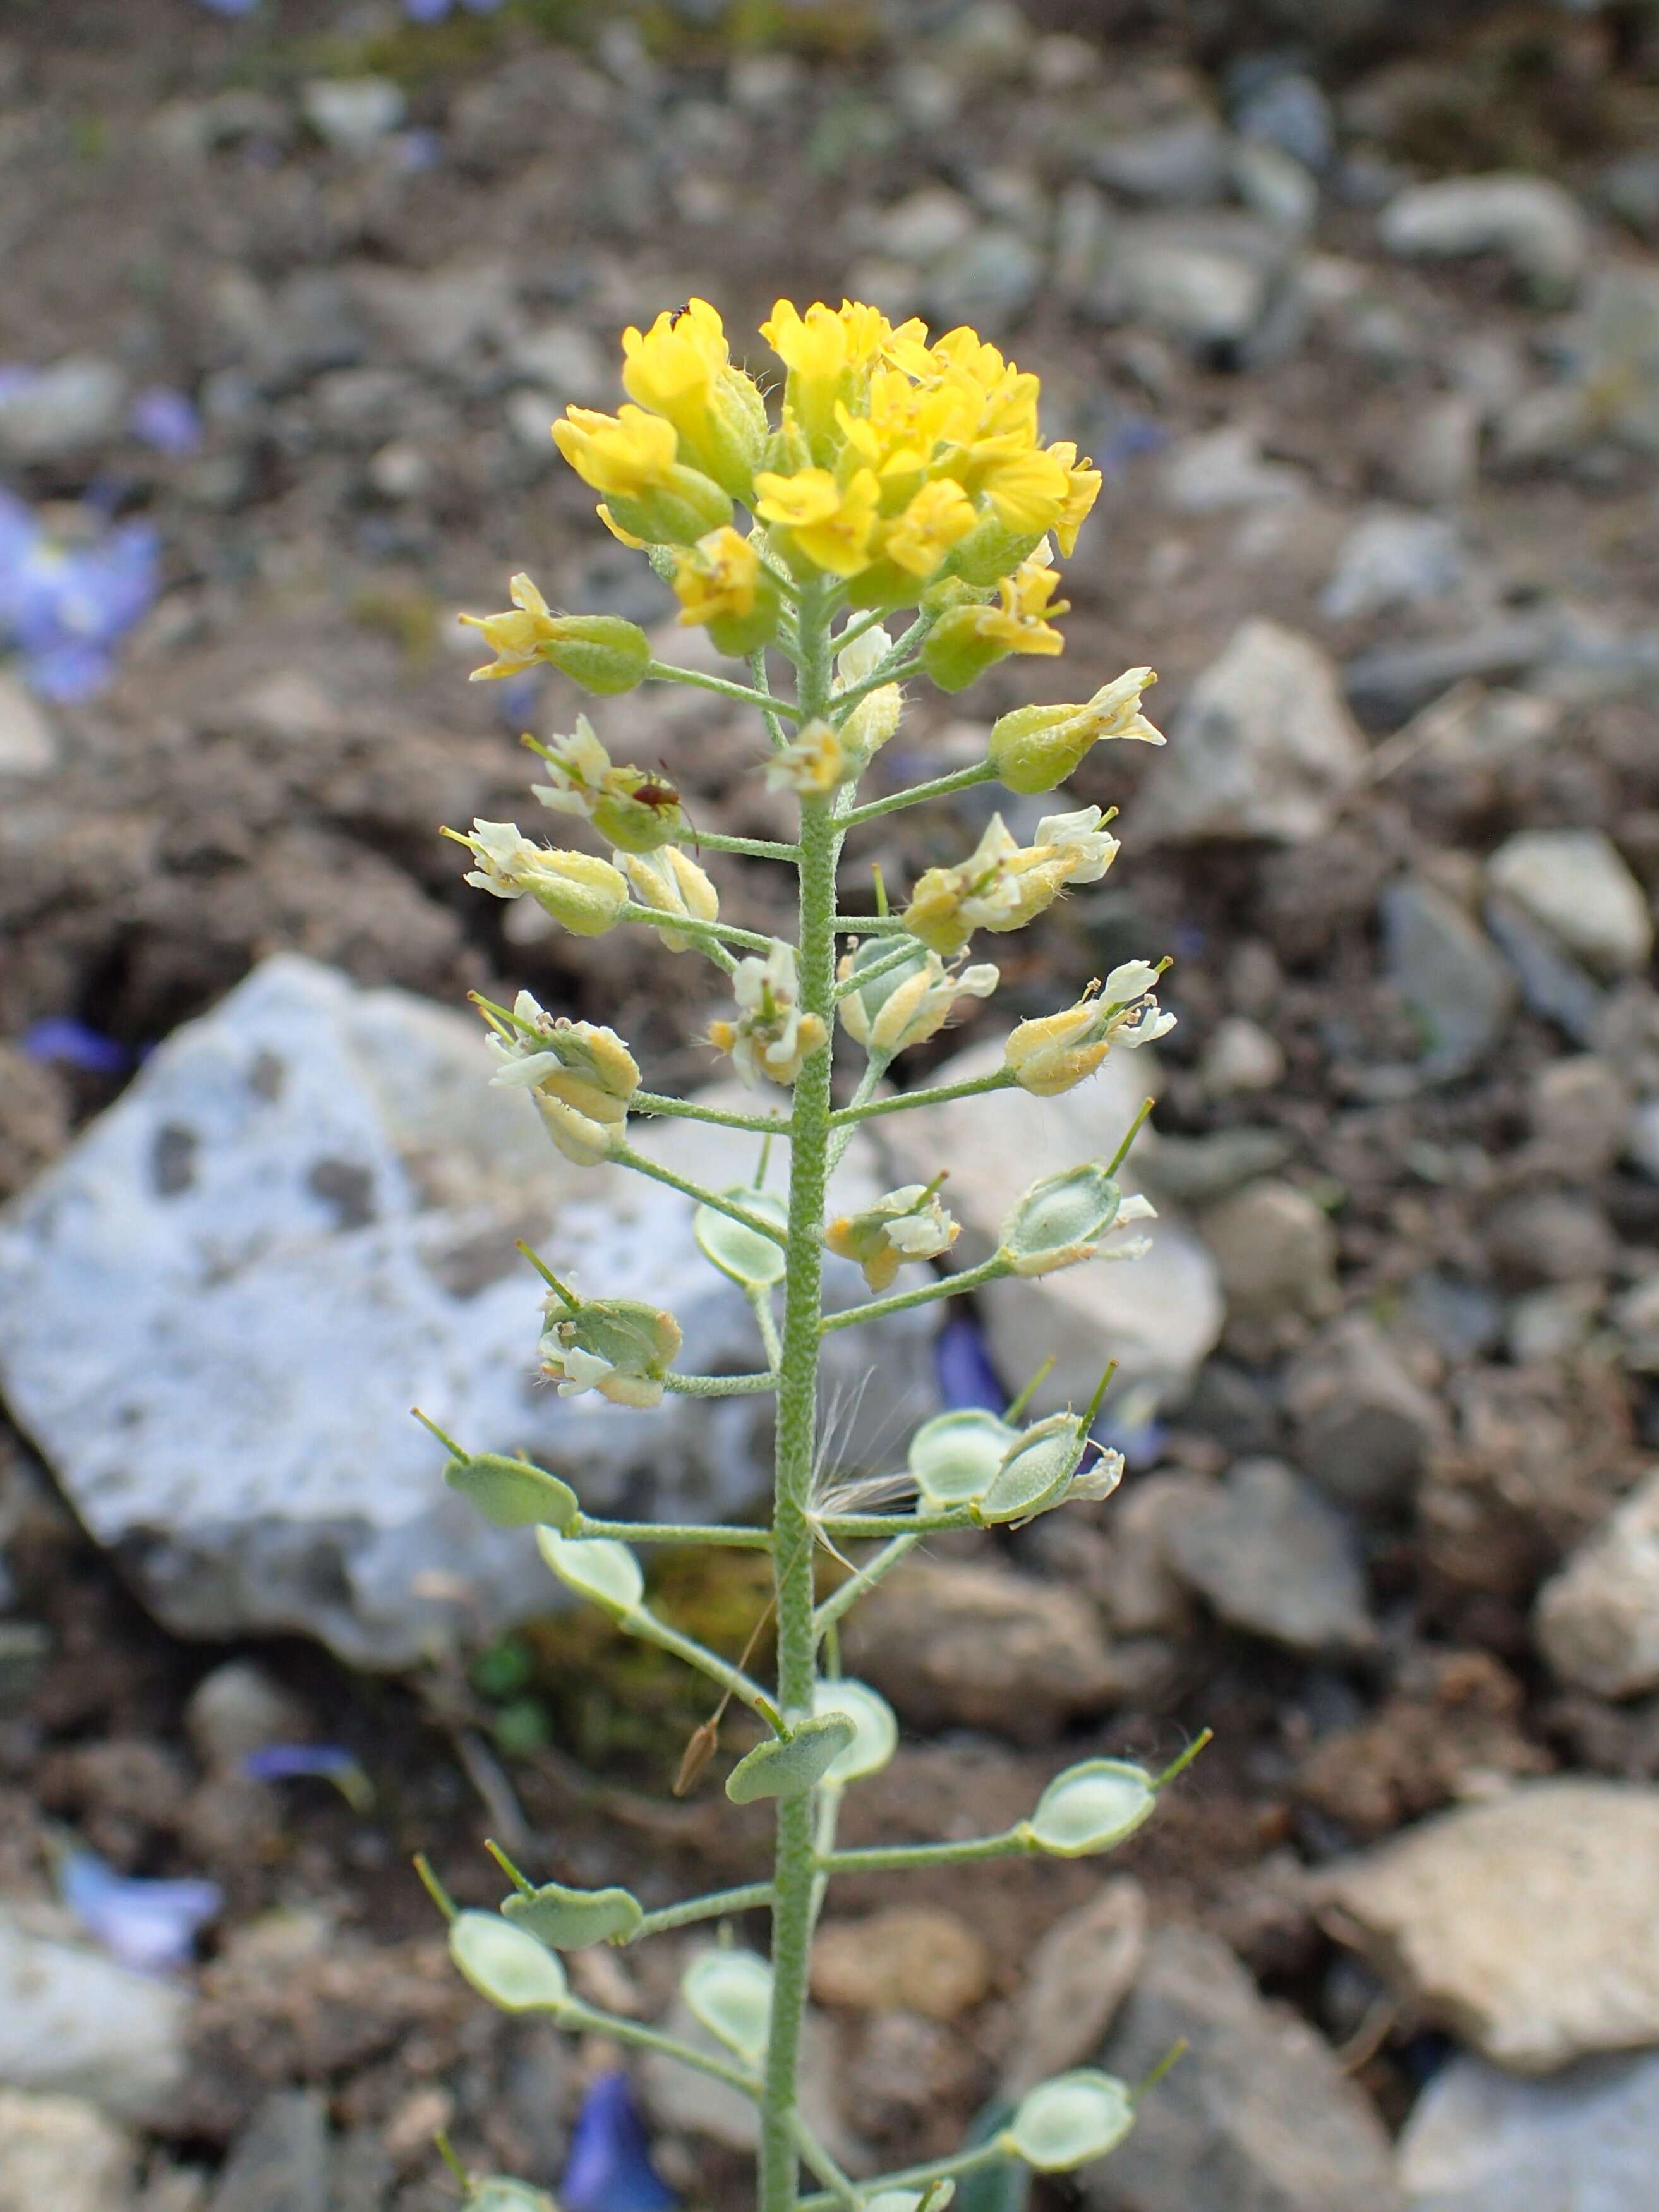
x: 812, y: 764
x: 910, y: 1002
x: 876, y: 717
x: 620, y: 1347
x: 771, y: 1036
x: 1055, y: 1052
x: 908, y: 1223
x: 634, y: 809
x: 1002, y: 884
x: 1034, y: 748
x: 580, y: 1076
x: 585, y: 893
x: 670, y: 881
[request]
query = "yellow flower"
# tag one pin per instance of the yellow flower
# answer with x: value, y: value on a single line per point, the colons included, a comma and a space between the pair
x: 515, y: 639
x: 1034, y: 748
x: 1083, y: 483
x: 681, y: 369
x: 813, y: 763
x: 720, y: 582
x: 1019, y: 623
x: 602, y: 652
x: 828, y: 354
x: 938, y: 516
x: 621, y: 455
x: 1027, y: 487
x: 827, y: 524
x: 622, y: 537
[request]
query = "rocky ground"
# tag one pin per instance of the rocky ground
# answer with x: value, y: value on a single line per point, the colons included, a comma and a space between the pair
x: 1364, y: 328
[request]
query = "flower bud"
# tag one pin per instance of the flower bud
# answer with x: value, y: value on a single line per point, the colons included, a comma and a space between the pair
x: 1034, y: 748
x: 620, y: 1347
x: 1055, y: 1052
x: 876, y: 717
x: 684, y: 507
x: 584, y: 893
x: 670, y: 881
x: 990, y: 551
x: 629, y: 457
x: 581, y: 1077
x: 1060, y: 1220
x: 909, y: 1223
x: 910, y: 1002
x: 956, y: 652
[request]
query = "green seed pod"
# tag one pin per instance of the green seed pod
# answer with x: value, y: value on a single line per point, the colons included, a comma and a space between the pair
x: 954, y: 1457
x: 1060, y: 1220
x: 1071, y: 2121
x: 990, y: 551
x: 512, y: 1493
x: 789, y: 1765
x: 751, y: 1260
x: 875, y: 1737
x: 506, y: 1965
x: 1092, y: 1808
x: 1035, y: 1472
x: 602, y: 652
x: 956, y: 652
x: 729, y: 1993
x: 597, y: 1568
x: 571, y: 1919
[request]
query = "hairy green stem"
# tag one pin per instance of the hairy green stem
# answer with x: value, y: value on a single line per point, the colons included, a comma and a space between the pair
x: 700, y: 932
x: 945, y: 1286
x: 715, y: 1906
x: 860, y: 1585
x: 732, y: 1679
x: 655, y: 1101
x: 917, y: 2176
x: 895, y: 1858
x: 939, y: 1094
x: 732, y: 1536
x: 757, y: 849
x: 626, y: 1157
x: 588, y: 2020
x: 794, y: 1870
x: 725, y: 688
x: 775, y: 729
x: 940, y: 787
x: 719, y: 1386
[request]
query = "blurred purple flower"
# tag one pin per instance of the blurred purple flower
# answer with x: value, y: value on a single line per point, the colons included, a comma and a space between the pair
x: 434, y: 11
x: 1132, y: 440
x: 231, y: 7
x: 516, y: 697
x: 165, y: 420
x: 609, y: 2168
x: 150, y: 1925
x: 419, y: 151
x: 58, y: 1040
x: 328, y: 1762
x: 963, y: 1367
x: 65, y: 607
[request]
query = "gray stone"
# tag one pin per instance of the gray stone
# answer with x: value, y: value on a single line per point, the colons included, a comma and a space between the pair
x: 1363, y: 1427
x: 1275, y: 1252
x: 1437, y: 460
x: 923, y: 225
x: 1160, y: 1315
x: 1553, y: 984
x: 29, y: 744
x: 1196, y: 1171
x: 1388, y: 682
x: 1611, y: 390
x: 1533, y: 224
x: 1393, y: 560
x: 1542, y: 1236
x: 1456, y: 986
x: 1205, y: 283
x: 564, y: 360
x: 1641, y: 1138
x: 61, y: 2156
x: 1576, y: 884
x: 953, y: 1645
x: 1541, y: 1327
x: 1180, y: 164
x: 1597, y: 1619
x: 1241, y: 1057
x: 1258, y: 2114
x: 1288, y: 111
x: 1261, y: 746
x: 280, y: 2163
x: 1274, y: 1558
x: 238, y: 1709
x: 1528, y: 1926
x: 989, y: 280
x: 353, y: 114
x: 1275, y: 187
x: 1479, y: 2140
x: 1214, y: 470
x: 62, y: 410
x: 440, y: 316
x: 299, y: 1221
x: 1580, y: 1111
x: 73, y: 2023
x: 1079, y: 1974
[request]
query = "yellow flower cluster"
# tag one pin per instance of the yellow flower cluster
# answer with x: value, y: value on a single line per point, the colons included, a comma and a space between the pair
x: 898, y: 466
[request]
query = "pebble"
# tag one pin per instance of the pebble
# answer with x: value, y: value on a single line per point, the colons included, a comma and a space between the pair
x: 1241, y: 1057
x: 1543, y: 1236
x: 1275, y: 1253
x: 1387, y: 683
x: 1596, y: 1620
x: 314, y: 1180
x: 1437, y: 459
x: 1289, y: 111
x: 1179, y: 164
x: 1455, y: 984
x: 564, y: 360
x: 1160, y: 1315
x: 1528, y: 1927
x: 1257, y: 2114
x: 912, y: 1958
x: 923, y: 226
x: 1579, y: 1109
x: 1216, y: 471
x: 1261, y: 746
x: 29, y: 744
x: 1275, y: 187
x: 1363, y: 1427
x: 1577, y: 884
x: 1542, y: 1327
x: 353, y: 114
x: 62, y: 411
x: 1480, y: 2140
x: 73, y: 2023
x: 1274, y: 1558
x: 1393, y: 560
x: 1202, y: 281
x: 1641, y: 1138
x: 61, y: 2154
x: 957, y: 1645
x: 281, y: 2162
x: 1073, y: 1982
x: 239, y: 1708
x: 1536, y: 227
x: 989, y: 280
x: 1553, y: 985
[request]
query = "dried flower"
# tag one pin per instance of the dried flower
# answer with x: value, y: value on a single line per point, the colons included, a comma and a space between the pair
x: 670, y: 881
x: 910, y: 1002
x: 909, y: 1223
x: 1003, y: 884
x: 1049, y: 1055
x: 581, y: 1077
x: 586, y: 894
x: 620, y: 1347
x: 771, y: 1036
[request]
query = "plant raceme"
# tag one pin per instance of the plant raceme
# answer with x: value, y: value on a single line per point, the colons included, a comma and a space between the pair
x: 899, y: 518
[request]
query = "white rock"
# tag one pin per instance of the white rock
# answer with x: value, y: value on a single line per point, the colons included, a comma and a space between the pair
x: 60, y: 2154
x: 565, y: 359
x: 1158, y: 1316
x: 1262, y: 746
x: 29, y: 744
x: 1240, y: 1056
x: 74, y: 2024
x: 75, y: 403
x: 1479, y: 2140
x: 352, y: 114
x: 1528, y: 1926
x: 1080, y: 1972
x: 1577, y: 884
x: 218, y: 1308
x: 239, y: 1708
x: 1216, y: 470
x: 1597, y: 1621
x: 1391, y: 560
x: 1537, y: 227
x: 923, y: 225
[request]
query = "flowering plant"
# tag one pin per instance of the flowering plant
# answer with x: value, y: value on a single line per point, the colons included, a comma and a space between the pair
x: 902, y: 474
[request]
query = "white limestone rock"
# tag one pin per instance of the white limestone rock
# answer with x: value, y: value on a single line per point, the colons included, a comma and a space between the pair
x: 218, y: 1308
